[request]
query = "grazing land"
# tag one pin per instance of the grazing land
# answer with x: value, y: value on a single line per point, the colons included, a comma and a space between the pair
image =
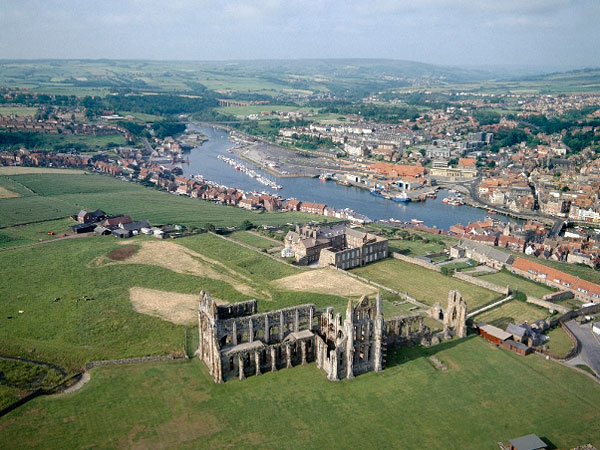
x: 483, y: 391
x: 530, y: 288
x: 34, y: 232
x: 410, y: 278
x: 55, y: 193
x: 6, y: 110
x: 513, y: 311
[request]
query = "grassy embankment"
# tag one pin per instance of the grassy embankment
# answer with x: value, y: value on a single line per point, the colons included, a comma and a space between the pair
x: 483, y: 394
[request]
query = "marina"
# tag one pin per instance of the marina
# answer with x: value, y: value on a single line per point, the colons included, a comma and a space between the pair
x: 433, y: 212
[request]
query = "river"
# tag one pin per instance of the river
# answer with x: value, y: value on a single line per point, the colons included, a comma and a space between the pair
x: 203, y: 160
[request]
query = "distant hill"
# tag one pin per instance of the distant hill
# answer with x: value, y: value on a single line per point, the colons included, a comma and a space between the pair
x: 348, y: 78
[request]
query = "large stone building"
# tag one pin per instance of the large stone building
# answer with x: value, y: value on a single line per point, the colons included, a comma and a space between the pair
x: 339, y: 246
x: 236, y: 341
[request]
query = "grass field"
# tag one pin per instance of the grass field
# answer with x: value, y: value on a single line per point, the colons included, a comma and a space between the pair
x: 530, y: 288
x: 410, y: 278
x: 417, y: 247
x: 513, y: 311
x: 73, y: 330
x: 35, y: 232
x: 559, y: 343
x: 162, y: 405
x: 253, y: 240
x: 14, y: 211
x: 60, y: 194
x: 17, y: 110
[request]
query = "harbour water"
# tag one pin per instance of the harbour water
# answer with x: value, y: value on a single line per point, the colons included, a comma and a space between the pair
x: 203, y: 160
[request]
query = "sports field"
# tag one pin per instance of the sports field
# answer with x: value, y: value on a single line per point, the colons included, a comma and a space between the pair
x: 423, y: 284
x: 474, y: 404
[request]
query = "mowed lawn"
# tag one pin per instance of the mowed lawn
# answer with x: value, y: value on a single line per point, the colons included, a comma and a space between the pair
x: 57, y: 195
x: 423, y: 284
x: 559, y: 344
x: 530, y: 288
x: 476, y: 403
x: 254, y: 240
x: 512, y: 311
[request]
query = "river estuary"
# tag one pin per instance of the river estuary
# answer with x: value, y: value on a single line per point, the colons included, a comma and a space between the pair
x: 203, y: 160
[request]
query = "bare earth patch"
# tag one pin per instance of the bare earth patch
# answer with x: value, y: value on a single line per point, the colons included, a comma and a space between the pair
x: 123, y: 253
x: 5, y: 193
x: 20, y: 170
x: 180, y: 259
x: 324, y: 281
x: 181, y: 309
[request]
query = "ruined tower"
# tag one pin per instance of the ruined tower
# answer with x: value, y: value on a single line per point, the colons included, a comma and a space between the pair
x: 455, y: 318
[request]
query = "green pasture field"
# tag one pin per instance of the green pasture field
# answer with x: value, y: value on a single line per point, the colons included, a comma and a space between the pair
x: 35, y: 232
x: 85, y: 140
x: 257, y: 109
x: 253, y: 240
x: 423, y: 284
x: 60, y: 195
x: 512, y: 311
x: 177, y: 405
x: 17, y: 110
x: 20, y: 210
x: 530, y: 288
x: 559, y: 344
x: 142, y: 116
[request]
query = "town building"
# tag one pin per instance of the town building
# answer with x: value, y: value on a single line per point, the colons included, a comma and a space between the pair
x: 339, y: 246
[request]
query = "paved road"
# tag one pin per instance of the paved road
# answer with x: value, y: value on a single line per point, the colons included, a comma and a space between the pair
x: 590, y: 347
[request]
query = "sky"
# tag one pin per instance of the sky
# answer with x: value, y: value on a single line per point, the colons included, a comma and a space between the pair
x: 549, y: 33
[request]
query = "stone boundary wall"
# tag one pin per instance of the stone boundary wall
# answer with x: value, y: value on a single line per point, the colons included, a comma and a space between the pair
x: 560, y: 295
x: 143, y: 359
x: 490, y: 306
x: 418, y: 262
x: 593, y: 309
x: 481, y: 283
x: 547, y: 305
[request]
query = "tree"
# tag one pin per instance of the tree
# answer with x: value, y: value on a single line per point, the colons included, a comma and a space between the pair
x: 246, y: 225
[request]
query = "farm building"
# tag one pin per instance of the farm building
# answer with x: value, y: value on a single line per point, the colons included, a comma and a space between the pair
x: 529, y: 442
x: 90, y: 217
x: 516, y: 347
x: 83, y: 228
x: 493, y: 334
x: 121, y: 233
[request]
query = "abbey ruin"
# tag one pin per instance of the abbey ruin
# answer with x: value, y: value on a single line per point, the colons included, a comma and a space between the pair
x: 236, y: 341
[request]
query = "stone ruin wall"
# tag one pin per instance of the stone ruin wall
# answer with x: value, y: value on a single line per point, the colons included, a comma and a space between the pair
x: 236, y: 342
